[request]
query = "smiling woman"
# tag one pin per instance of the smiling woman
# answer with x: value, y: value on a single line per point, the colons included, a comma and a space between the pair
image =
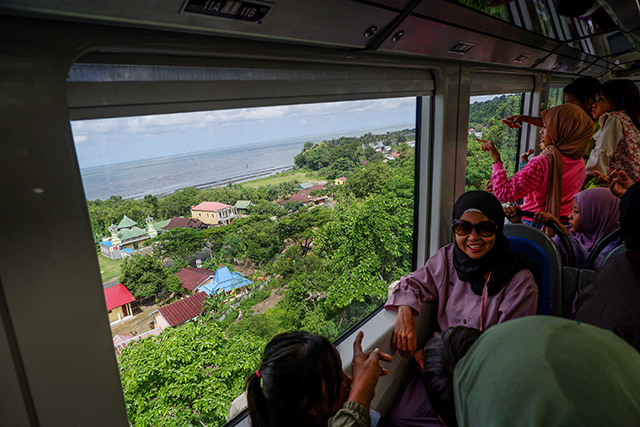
x: 477, y: 282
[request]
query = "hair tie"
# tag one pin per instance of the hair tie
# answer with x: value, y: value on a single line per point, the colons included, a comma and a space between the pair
x: 258, y: 373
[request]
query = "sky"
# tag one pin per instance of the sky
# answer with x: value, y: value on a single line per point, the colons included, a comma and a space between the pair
x: 108, y: 141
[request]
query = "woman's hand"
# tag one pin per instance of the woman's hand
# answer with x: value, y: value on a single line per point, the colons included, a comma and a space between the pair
x: 513, y: 214
x: 488, y: 146
x: 404, y: 337
x: 525, y: 156
x: 365, y: 371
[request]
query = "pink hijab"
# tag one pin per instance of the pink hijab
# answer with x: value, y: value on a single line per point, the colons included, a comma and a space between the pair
x: 599, y: 214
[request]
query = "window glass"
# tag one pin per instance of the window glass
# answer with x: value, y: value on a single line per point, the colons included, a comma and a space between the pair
x: 501, y: 12
x: 485, y: 122
x: 544, y: 16
x: 556, y: 97
x: 324, y: 197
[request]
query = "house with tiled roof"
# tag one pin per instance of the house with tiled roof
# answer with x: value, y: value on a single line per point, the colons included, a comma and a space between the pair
x: 340, y: 181
x: 193, y: 278
x: 214, y: 213
x: 126, y: 237
x: 118, y: 299
x: 305, y: 197
x: 180, y: 311
x: 232, y: 284
x: 181, y: 222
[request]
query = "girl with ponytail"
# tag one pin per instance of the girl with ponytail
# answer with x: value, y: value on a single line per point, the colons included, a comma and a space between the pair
x: 300, y: 382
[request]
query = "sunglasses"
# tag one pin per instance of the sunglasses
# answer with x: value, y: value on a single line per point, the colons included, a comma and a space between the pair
x: 483, y: 228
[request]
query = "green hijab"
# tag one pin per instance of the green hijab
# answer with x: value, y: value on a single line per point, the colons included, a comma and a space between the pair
x: 551, y: 372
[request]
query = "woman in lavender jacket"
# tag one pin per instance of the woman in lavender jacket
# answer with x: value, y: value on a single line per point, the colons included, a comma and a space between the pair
x: 477, y: 281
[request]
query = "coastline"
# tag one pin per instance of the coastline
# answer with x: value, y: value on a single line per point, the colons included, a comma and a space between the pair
x: 223, y: 182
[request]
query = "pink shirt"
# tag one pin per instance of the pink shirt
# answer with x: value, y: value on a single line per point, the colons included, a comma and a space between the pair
x: 531, y: 184
x: 457, y: 304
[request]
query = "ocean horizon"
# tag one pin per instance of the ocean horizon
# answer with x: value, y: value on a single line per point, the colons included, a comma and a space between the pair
x: 160, y: 176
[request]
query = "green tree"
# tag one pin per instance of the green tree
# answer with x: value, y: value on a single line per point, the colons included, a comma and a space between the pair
x: 143, y: 275
x: 178, y: 243
x: 187, y: 376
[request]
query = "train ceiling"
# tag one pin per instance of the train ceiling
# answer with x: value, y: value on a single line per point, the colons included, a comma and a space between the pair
x: 586, y: 36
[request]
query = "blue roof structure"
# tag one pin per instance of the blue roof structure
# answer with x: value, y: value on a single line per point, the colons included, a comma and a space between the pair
x: 128, y: 250
x: 106, y: 243
x: 224, y: 281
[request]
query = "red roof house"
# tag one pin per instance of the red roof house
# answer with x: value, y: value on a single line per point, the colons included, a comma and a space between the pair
x: 180, y: 311
x: 118, y: 300
x: 191, y: 278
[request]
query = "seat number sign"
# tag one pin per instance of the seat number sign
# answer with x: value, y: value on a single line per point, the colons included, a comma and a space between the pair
x: 230, y: 9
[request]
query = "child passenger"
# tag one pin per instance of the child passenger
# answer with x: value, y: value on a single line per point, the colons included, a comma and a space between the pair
x: 300, y: 382
x: 594, y: 216
x: 617, y: 109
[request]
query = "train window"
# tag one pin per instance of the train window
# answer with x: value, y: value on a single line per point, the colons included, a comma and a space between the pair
x: 485, y: 122
x: 320, y: 198
x: 544, y: 16
x: 501, y: 12
x: 556, y: 97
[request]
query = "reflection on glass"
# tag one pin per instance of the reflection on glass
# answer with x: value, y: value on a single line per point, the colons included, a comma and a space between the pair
x: 556, y: 97
x: 485, y: 6
x: 485, y: 122
x: 298, y: 217
x: 544, y: 16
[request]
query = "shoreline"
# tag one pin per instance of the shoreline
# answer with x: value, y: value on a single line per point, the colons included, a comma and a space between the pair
x: 223, y: 182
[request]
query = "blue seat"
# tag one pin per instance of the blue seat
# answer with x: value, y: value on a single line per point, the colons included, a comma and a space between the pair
x: 541, y: 250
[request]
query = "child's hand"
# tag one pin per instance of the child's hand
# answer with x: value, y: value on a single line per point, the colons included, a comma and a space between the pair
x: 366, y: 369
x: 512, y: 122
x: 513, y: 214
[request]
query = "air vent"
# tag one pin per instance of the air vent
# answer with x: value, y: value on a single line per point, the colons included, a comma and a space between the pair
x: 461, y: 48
x: 521, y: 58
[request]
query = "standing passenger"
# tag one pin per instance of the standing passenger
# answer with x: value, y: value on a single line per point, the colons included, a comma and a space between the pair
x: 477, y: 281
x: 549, y: 181
x: 617, y: 109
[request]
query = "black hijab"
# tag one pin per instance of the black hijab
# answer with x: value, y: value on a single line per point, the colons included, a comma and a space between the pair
x: 629, y: 209
x: 502, y: 262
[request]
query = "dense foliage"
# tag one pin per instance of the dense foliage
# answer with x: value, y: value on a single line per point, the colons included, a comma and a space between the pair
x: 330, y: 266
x: 485, y: 118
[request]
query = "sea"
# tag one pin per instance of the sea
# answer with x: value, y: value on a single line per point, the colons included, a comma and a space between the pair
x: 213, y: 168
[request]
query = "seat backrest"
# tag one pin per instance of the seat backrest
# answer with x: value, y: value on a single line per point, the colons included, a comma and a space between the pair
x: 614, y: 253
x: 541, y: 250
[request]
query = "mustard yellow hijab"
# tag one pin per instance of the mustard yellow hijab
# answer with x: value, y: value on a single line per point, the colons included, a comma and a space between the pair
x: 570, y: 130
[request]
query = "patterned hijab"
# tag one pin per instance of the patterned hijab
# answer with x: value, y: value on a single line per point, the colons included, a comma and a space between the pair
x: 548, y: 371
x: 599, y: 214
x: 569, y: 129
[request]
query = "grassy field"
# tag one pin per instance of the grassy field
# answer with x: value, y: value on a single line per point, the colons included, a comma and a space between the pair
x: 281, y: 177
x: 109, y: 268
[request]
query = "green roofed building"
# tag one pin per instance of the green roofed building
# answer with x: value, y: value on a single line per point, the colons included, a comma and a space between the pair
x: 127, y: 237
x: 244, y: 204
